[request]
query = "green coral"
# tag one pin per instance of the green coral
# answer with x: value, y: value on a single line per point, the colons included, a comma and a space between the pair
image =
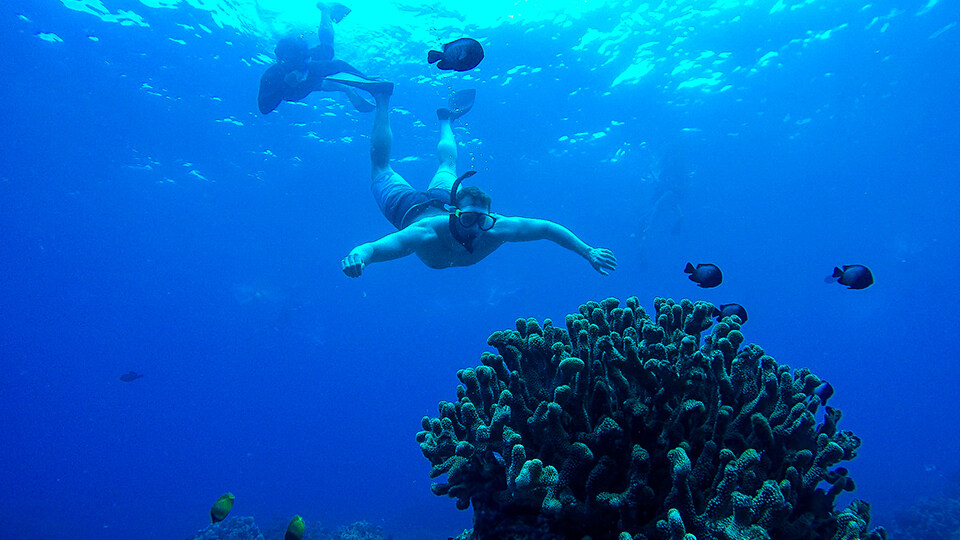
x: 625, y: 426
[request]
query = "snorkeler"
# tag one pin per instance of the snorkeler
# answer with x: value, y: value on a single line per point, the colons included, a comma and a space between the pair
x: 669, y: 187
x: 300, y: 70
x: 445, y: 226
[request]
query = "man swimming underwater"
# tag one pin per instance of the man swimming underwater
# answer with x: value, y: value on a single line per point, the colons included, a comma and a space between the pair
x: 300, y: 70
x: 445, y: 226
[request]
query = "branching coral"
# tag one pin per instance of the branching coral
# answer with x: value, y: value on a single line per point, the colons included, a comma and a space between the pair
x: 625, y: 426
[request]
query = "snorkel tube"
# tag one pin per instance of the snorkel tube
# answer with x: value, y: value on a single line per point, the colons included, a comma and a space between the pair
x: 456, y: 186
x: 463, y: 240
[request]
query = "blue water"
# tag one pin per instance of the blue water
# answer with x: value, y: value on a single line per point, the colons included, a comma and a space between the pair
x: 152, y: 220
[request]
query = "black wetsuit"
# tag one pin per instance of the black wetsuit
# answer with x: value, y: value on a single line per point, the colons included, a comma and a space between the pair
x: 274, y: 88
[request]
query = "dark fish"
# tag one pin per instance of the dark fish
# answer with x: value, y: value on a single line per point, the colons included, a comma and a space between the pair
x: 132, y: 376
x: 461, y: 55
x: 704, y: 275
x: 729, y: 310
x: 824, y: 390
x: 854, y: 276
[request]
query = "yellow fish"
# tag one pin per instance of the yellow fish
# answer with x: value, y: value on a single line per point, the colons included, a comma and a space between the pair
x: 295, y: 529
x: 220, y: 509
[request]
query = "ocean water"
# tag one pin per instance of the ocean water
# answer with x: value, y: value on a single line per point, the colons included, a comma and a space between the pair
x: 152, y: 220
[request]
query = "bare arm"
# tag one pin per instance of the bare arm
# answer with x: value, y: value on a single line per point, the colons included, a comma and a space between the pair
x: 519, y: 229
x: 392, y: 246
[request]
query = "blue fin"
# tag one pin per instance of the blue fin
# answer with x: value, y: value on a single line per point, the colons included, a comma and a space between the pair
x: 458, y: 104
x: 374, y: 86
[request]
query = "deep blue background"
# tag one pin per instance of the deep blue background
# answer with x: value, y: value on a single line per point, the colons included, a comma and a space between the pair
x: 269, y: 374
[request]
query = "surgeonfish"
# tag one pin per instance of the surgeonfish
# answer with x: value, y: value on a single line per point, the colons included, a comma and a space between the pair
x: 729, y: 310
x: 220, y: 509
x: 854, y: 276
x: 704, y: 275
x: 461, y: 55
x: 824, y: 390
x: 295, y: 529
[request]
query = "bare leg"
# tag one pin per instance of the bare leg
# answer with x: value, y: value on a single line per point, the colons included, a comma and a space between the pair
x: 324, y: 52
x: 381, y: 139
x: 653, y: 214
x: 678, y: 218
x: 326, y: 24
x: 447, y: 154
x: 458, y: 104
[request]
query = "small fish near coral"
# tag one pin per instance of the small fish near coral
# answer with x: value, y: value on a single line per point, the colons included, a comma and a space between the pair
x: 220, y: 509
x: 704, y: 275
x: 131, y: 376
x: 729, y: 310
x: 854, y: 276
x: 824, y: 390
x: 295, y: 529
x: 461, y: 55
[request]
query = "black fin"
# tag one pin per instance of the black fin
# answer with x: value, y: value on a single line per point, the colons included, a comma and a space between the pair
x: 338, y: 11
x: 456, y: 183
x: 689, y: 269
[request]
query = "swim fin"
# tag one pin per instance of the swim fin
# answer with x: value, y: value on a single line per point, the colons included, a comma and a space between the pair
x: 374, y: 86
x: 458, y: 104
x: 358, y: 101
x: 337, y: 10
